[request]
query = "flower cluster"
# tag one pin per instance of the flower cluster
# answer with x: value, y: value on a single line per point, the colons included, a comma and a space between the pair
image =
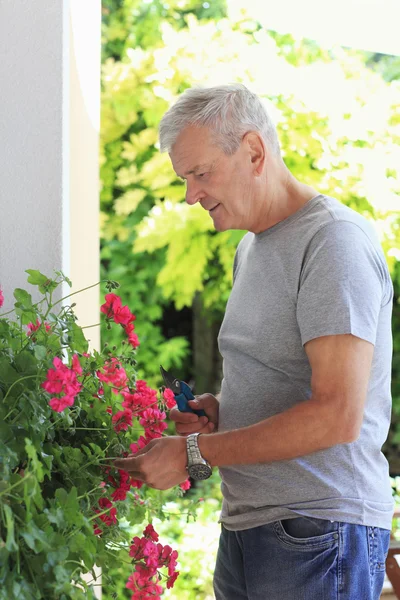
x: 113, y: 309
x: 1, y: 298
x: 63, y: 380
x: 113, y: 374
x: 149, y: 556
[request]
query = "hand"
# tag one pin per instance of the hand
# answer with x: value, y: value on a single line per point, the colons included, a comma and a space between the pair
x: 160, y: 465
x: 186, y: 422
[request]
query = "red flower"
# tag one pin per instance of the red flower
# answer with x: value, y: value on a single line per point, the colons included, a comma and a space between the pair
x: 1, y: 298
x: 172, y: 579
x: 113, y: 309
x: 124, y: 486
x: 185, y: 485
x: 111, y: 517
x: 169, y: 398
x: 122, y: 420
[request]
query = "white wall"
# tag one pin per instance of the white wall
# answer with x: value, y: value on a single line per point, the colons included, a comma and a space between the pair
x: 49, y: 127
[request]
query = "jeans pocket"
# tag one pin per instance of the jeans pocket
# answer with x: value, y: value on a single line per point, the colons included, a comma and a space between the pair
x: 307, y: 531
x: 378, y: 547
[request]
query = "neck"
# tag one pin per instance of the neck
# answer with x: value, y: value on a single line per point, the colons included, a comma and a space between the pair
x: 283, y: 196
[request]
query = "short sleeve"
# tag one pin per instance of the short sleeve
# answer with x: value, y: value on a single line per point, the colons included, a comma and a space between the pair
x: 343, y: 284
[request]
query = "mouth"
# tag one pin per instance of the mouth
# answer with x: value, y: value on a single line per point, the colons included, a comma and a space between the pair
x: 213, y: 208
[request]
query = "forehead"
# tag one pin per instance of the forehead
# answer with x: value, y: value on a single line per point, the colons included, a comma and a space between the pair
x: 194, y: 147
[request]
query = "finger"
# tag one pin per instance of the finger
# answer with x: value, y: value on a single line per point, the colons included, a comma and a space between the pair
x: 208, y: 428
x: 186, y: 428
x: 182, y: 417
x: 127, y: 464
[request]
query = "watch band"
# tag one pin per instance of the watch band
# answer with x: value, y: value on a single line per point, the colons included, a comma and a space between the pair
x: 194, y: 454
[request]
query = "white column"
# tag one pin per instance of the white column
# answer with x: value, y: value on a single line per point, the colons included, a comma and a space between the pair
x: 49, y: 129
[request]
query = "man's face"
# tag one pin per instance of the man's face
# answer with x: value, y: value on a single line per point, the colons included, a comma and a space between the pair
x: 221, y: 183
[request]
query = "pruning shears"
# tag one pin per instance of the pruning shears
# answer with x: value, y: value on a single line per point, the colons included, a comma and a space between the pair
x: 182, y: 393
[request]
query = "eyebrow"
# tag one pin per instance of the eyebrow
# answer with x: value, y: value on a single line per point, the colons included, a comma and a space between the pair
x: 197, y: 168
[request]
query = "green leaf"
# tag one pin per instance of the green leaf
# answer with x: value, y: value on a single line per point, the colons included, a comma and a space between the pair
x: 8, y: 374
x: 36, y: 277
x: 10, y: 540
x: 77, y: 338
x: 26, y: 363
x: 34, y: 537
x: 23, y: 297
x: 40, y: 352
x: 36, y: 465
x: 45, y: 284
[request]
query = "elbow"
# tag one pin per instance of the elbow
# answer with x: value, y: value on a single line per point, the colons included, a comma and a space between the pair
x: 350, y: 429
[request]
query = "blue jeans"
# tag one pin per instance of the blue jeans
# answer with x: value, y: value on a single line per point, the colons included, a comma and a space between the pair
x: 302, y: 559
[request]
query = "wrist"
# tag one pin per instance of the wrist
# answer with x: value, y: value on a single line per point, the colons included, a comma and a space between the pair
x: 206, y: 445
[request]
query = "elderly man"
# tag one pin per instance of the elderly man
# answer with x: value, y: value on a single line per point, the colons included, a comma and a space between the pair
x: 306, y: 343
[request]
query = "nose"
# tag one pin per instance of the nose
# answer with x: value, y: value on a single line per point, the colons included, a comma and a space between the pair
x: 193, y: 193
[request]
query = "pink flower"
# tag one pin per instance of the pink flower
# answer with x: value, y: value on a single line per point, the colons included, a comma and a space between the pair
x: 76, y: 365
x: 141, y: 398
x: 150, y: 533
x: 59, y: 404
x: 122, y: 420
x: 185, y: 485
x: 172, y: 579
x: 139, y: 444
x: 169, y: 398
x: 149, y: 556
x: 152, y: 419
x: 132, y: 336
x: 113, y: 373
x: 1, y: 298
x: 142, y: 587
x: 61, y: 380
x: 32, y: 327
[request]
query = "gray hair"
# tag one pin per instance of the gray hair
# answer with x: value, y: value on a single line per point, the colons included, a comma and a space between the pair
x: 229, y: 111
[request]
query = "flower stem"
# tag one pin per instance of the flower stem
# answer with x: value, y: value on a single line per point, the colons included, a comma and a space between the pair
x: 88, y: 326
x: 79, y: 291
x: 15, y: 484
x: 15, y: 383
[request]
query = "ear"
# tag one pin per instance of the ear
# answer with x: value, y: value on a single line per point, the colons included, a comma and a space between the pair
x: 256, y: 151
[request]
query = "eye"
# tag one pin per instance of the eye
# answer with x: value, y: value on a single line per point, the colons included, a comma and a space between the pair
x: 201, y: 174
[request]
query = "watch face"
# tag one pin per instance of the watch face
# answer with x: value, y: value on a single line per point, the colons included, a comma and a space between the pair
x: 200, y: 471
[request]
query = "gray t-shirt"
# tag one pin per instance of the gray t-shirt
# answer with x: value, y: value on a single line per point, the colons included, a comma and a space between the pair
x: 319, y: 272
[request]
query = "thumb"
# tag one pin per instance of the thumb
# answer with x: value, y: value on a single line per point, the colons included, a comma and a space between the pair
x: 209, y: 403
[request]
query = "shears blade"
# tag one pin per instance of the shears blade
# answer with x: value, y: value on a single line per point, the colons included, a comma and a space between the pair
x: 170, y: 381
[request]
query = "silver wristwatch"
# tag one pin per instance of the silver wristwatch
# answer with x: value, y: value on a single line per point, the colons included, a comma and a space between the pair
x: 198, y: 467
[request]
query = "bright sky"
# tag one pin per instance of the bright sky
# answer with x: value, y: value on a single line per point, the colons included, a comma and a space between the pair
x: 364, y: 24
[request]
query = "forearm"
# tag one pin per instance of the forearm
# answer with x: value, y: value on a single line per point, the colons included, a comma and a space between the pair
x: 305, y: 428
